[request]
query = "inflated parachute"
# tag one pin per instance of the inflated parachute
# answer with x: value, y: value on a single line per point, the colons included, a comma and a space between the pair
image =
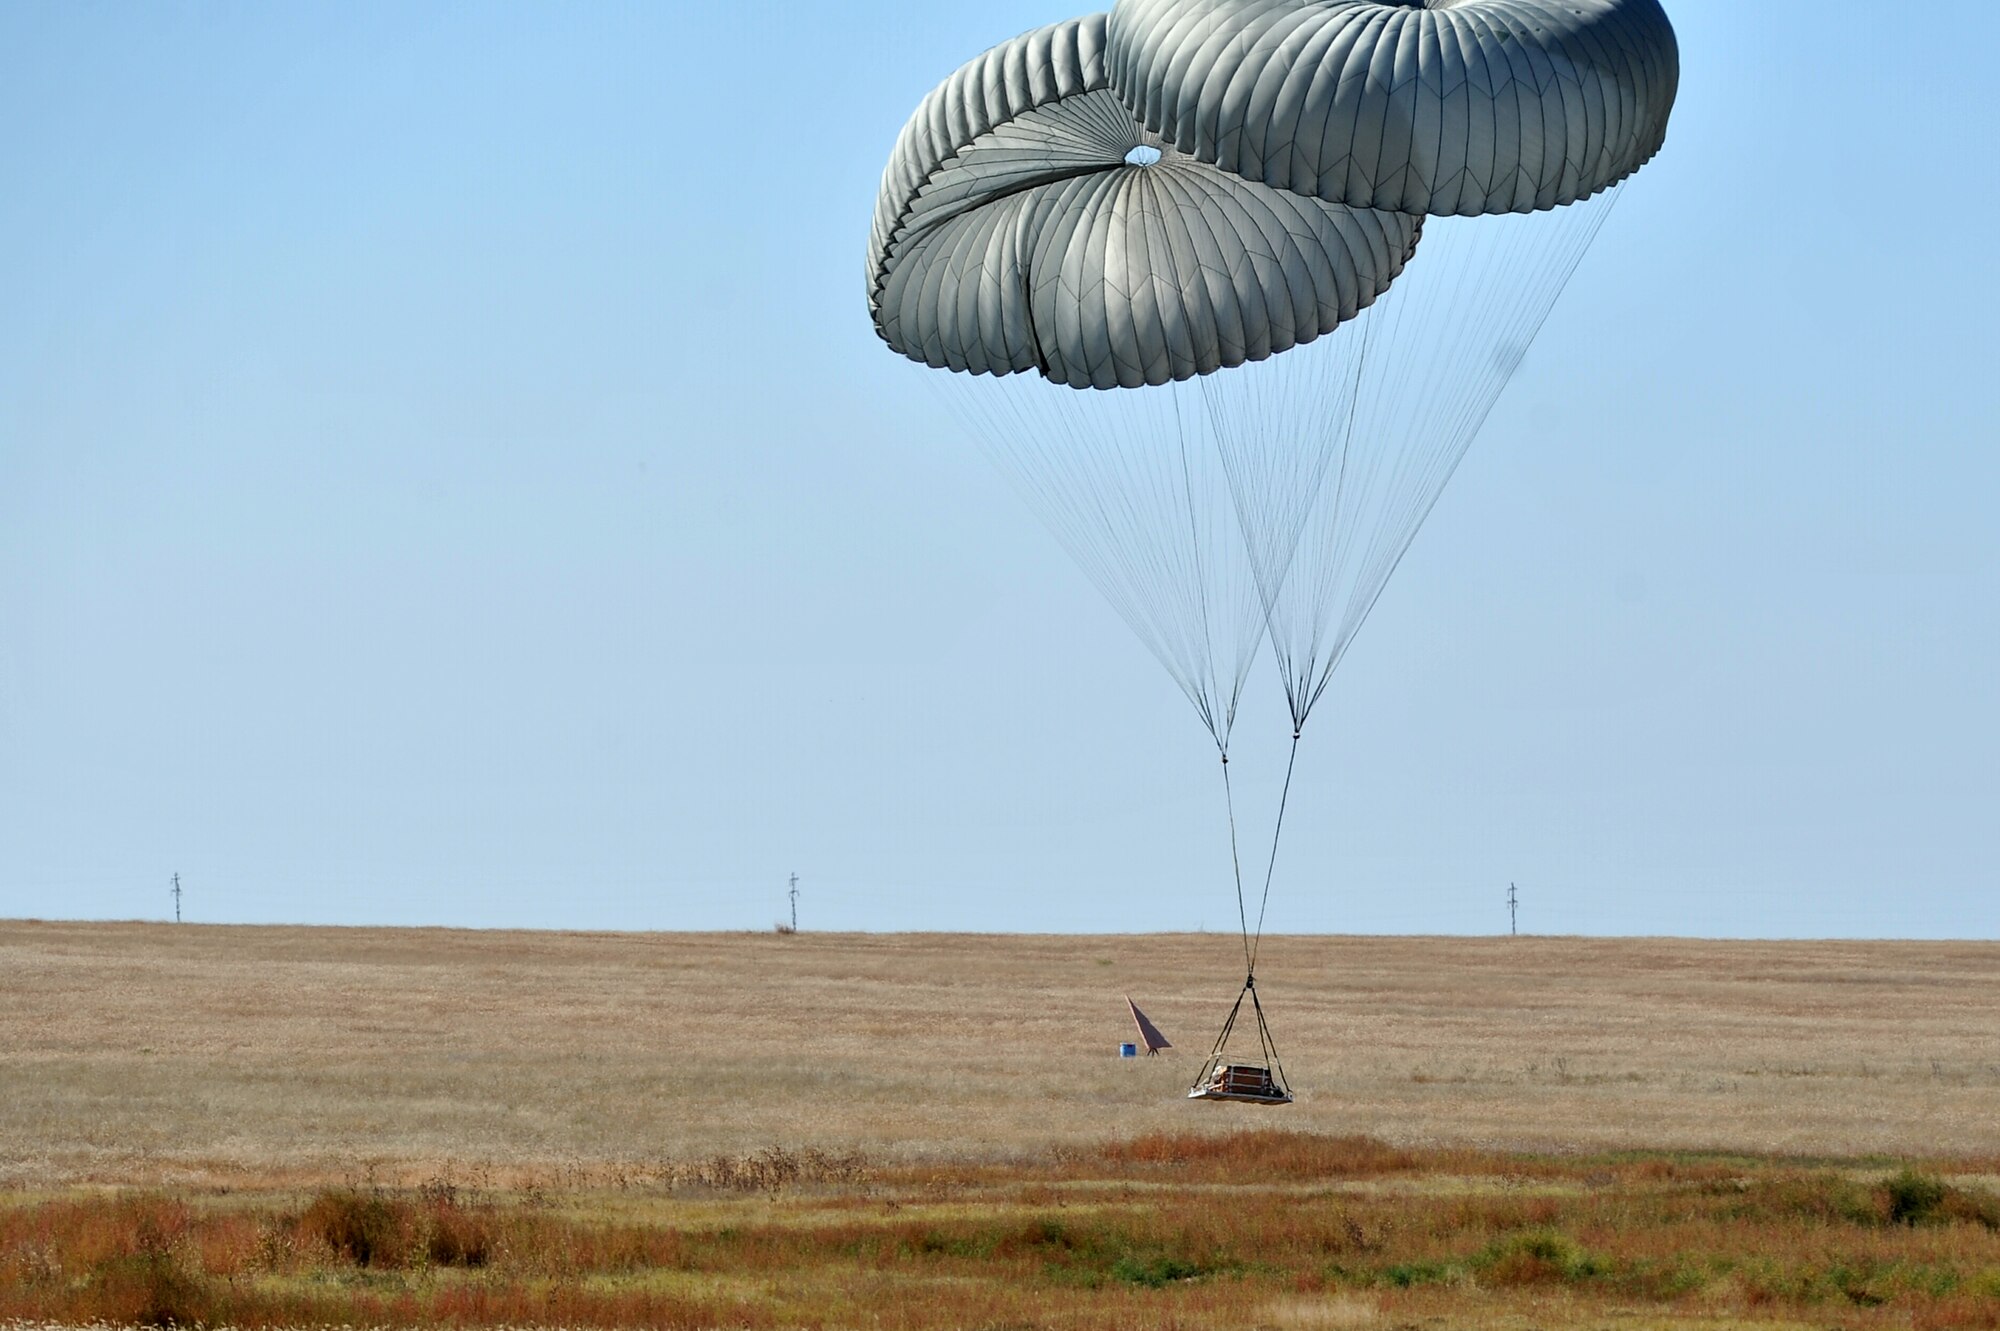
x: 1026, y: 223
x: 1028, y: 232
x: 1206, y: 208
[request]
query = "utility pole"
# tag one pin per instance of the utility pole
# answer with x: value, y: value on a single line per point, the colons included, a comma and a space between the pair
x: 795, y: 903
x: 1513, y: 911
x: 177, y: 898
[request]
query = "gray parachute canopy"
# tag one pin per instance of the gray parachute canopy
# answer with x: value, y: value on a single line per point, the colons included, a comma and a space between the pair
x: 1424, y: 106
x: 1012, y: 234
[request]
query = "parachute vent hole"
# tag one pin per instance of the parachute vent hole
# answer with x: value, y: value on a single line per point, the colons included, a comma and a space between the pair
x: 1143, y: 155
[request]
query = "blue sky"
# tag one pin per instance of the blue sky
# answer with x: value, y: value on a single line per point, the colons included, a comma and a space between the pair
x: 447, y: 476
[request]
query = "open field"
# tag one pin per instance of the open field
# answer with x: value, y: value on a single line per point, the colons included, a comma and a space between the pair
x: 156, y: 1054
x: 313, y: 1127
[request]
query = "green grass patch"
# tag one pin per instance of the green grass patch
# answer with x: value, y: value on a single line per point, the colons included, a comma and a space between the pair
x: 1410, y: 1275
x: 1537, y: 1257
x: 1154, y: 1272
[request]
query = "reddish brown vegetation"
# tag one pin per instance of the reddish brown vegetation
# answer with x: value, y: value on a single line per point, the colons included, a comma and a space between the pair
x: 1256, y: 1228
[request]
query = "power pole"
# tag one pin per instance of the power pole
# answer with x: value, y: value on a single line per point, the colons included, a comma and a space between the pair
x: 1513, y: 911
x: 795, y: 903
x: 177, y: 898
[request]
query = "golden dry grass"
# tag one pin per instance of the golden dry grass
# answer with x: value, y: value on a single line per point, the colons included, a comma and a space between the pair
x: 171, y: 1054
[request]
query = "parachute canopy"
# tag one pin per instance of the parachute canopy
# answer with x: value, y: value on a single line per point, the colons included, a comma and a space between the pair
x: 1428, y: 106
x: 1026, y: 222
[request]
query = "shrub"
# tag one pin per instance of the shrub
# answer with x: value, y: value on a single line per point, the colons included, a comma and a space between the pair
x: 1915, y: 1198
x: 367, y: 1229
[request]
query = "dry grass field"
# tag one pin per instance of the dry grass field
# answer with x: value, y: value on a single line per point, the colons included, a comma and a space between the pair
x: 261, y: 1127
x: 154, y: 1054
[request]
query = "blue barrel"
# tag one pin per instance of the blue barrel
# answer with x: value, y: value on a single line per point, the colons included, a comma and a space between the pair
x: 1128, y: 1050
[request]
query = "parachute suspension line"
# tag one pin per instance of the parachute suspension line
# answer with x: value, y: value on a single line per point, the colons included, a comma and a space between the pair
x: 1127, y: 482
x: 1373, y: 453
x: 1271, y: 867
x: 1236, y: 865
x: 1282, y: 428
x: 1299, y: 702
x: 1436, y: 352
x: 1207, y: 632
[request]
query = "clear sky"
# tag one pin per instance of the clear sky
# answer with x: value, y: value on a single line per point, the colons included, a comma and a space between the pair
x: 447, y: 476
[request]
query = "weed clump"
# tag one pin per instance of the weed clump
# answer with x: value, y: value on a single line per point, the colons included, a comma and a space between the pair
x: 1539, y: 1257
x: 150, y: 1289
x: 457, y: 1238
x: 136, y: 1266
x: 1156, y: 1272
x: 375, y: 1229
x: 1409, y: 1275
x: 1817, y: 1198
